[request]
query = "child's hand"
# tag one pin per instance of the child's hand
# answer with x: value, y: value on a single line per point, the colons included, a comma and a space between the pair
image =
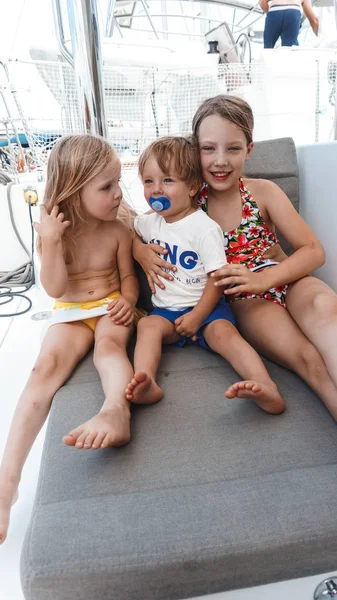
x: 238, y: 279
x: 121, y: 311
x: 153, y: 265
x: 51, y: 226
x: 187, y: 325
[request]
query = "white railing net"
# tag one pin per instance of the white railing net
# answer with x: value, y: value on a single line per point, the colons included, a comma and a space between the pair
x: 40, y: 100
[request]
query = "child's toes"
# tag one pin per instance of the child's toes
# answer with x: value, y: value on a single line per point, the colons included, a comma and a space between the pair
x: 73, y: 436
x: 105, y: 441
x: 69, y: 439
x: 89, y: 440
x: 81, y: 439
x: 253, y: 387
x: 232, y: 390
x: 98, y: 440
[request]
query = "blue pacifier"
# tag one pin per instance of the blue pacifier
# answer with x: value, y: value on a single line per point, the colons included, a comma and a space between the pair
x: 159, y: 204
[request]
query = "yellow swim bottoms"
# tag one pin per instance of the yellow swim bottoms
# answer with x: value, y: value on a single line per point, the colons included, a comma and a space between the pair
x: 88, y: 312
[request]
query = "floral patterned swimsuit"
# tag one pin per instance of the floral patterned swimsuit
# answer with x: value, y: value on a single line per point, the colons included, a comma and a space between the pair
x: 247, y: 244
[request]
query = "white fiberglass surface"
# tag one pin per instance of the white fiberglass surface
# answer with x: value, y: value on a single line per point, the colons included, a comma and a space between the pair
x: 19, y: 346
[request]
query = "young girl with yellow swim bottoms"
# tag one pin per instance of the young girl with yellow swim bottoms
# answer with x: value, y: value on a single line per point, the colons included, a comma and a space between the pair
x: 87, y: 265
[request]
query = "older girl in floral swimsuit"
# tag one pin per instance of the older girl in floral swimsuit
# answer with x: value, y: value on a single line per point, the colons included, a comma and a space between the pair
x: 286, y: 315
x: 247, y: 244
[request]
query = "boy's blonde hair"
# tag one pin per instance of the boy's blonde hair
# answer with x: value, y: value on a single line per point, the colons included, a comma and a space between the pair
x: 73, y: 162
x: 232, y: 108
x: 174, y: 154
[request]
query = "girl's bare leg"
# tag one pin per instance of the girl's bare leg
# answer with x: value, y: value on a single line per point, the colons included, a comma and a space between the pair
x: 273, y: 332
x: 63, y: 347
x: 111, y: 426
x: 313, y: 305
x: 223, y: 338
x: 152, y: 332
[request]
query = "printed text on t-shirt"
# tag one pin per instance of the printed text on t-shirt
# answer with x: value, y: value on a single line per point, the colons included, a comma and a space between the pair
x: 188, y: 259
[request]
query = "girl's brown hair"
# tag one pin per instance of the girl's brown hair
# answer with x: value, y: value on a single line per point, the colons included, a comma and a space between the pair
x: 175, y: 154
x: 75, y: 160
x: 232, y: 108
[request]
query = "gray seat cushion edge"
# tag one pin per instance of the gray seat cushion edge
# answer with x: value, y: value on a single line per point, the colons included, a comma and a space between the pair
x: 178, y: 547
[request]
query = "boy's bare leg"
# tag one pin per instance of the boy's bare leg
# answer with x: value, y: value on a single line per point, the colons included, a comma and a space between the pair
x: 63, y: 347
x: 152, y: 333
x: 223, y: 338
x: 111, y: 426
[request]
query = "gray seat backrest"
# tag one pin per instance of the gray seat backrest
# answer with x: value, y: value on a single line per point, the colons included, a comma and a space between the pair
x: 276, y: 160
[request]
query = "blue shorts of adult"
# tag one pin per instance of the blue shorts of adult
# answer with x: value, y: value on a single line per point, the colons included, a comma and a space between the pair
x: 282, y: 21
x: 221, y: 311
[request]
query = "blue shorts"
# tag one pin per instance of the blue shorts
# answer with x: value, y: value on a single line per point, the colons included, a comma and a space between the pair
x: 221, y: 311
x: 282, y: 22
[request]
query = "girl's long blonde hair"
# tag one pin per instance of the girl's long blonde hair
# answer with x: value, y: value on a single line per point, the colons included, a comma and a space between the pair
x: 73, y: 162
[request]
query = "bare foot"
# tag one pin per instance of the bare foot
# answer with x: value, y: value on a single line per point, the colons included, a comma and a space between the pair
x: 264, y: 394
x: 107, y: 428
x: 8, y: 497
x: 143, y: 389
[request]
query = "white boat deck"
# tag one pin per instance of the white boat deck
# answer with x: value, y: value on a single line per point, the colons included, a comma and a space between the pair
x: 19, y: 347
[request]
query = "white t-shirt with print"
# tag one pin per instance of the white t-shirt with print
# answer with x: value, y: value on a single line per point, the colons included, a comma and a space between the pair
x: 195, y: 246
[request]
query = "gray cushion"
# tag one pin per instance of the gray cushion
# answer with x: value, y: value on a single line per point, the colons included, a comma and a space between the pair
x: 210, y: 495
